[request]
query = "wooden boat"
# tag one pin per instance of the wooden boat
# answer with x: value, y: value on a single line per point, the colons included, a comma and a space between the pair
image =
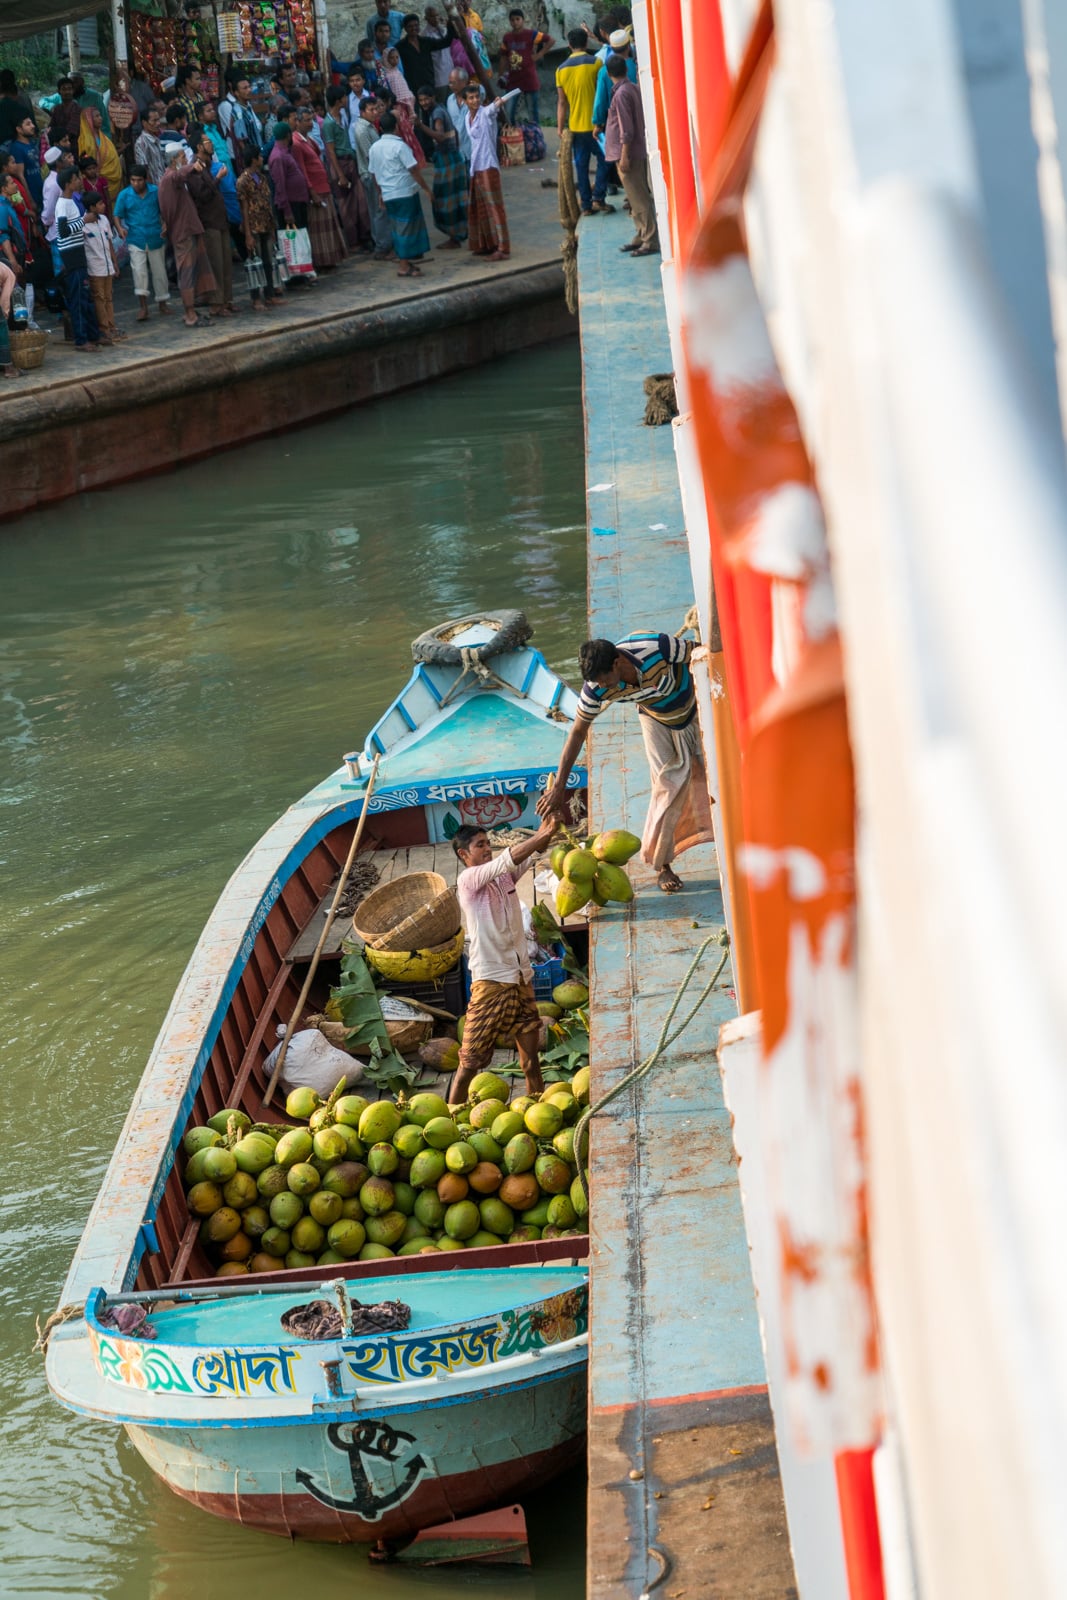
x: 355, y: 1438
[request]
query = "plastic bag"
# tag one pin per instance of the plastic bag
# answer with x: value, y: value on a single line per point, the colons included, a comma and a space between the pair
x: 296, y: 247
x: 312, y: 1062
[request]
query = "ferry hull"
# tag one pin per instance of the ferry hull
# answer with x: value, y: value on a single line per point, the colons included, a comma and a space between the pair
x: 384, y: 1476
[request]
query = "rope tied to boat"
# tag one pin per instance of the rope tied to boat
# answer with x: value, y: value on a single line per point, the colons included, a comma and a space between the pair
x: 62, y: 1314
x: 665, y: 1040
x: 472, y: 666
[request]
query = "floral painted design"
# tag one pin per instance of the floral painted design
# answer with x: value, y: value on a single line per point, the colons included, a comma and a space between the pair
x: 491, y: 810
x: 557, y: 1319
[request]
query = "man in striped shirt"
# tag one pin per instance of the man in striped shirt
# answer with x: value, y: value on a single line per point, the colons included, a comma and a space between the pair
x: 651, y: 671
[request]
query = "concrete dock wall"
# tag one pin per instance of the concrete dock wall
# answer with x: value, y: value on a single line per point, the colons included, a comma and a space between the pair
x: 99, y: 428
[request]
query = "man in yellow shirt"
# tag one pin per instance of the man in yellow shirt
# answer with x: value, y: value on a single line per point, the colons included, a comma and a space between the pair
x: 576, y: 82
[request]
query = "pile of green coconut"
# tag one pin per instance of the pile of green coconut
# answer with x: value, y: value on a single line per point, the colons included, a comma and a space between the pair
x: 353, y: 1180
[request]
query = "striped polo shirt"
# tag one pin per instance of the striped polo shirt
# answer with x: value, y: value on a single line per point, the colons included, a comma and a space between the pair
x: 665, y: 690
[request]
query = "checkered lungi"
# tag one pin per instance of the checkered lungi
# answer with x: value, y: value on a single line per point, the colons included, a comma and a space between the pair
x: 487, y: 219
x: 451, y: 187
x: 495, y: 1009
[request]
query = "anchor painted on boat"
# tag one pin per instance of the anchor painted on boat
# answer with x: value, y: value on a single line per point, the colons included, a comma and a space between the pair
x: 359, y: 1439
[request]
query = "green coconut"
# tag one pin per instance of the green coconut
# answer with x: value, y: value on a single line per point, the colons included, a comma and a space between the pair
x: 293, y: 1147
x: 308, y: 1235
x: 616, y: 846
x: 271, y: 1181
x: 461, y: 1220
x: 579, y: 866
x: 613, y: 884
x: 301, y: 1103
x: 568, y: 995
x: 427, y: 1169
x: 220, y: 1122
x: 440, y: 1132
x: 379, y: 1122
x: 200, y: 1139
x: 386, y: 1229
x: 303, y: 1178
x: 346, y: 1178
x: 219, y: 1164
x: 422, y: 1108
x: 429, y: 1208
x: 489, y: 1086
x: 403, y: 1196
x: 561, y: 1211
x: 347, y: 1238
x: 549, y: 1008
x: 377, y: 1196
x: 253, y: 1153
x: 375, y: 1252
x: 383, y: 1159
x: 349, y: 1109
x: 571, y: 896
x: 520, y: 1153
x: 496, y: 1217
x: 286, y: 1209
x: 326, y: 1207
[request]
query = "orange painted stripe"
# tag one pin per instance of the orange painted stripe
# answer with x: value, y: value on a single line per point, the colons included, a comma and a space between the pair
x: 680, y: 1399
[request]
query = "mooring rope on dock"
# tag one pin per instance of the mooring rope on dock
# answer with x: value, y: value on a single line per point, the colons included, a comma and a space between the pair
x: 666, y: 1038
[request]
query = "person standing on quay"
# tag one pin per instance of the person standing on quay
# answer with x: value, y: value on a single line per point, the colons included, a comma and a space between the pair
x: 291, y: 193
x: 576, y: 92
x: 624, y: 143
x: 71, y: 241
x: 487, y: 221
x: 147, y: 149
x: 103, y: 266
x: 451, y: 180
x: 185, y: 232
x: 257, y: 215
x: 138, y: 220
x: 211, y: 209
x: 399, y: 179
x: 327, y: 245
x: 651, y: 671
x: 521, y: 48
x: 365, y: 136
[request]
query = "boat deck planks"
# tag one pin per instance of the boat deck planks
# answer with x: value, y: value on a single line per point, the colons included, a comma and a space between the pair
x: 681, y: 1445
x: 391, y: 864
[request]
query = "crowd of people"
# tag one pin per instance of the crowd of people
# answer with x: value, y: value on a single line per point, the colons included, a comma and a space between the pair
x: 277, y: 182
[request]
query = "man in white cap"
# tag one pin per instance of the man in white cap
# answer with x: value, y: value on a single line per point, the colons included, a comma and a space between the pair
x: 185, y: 231
x: 54, y: 157
x: 620, y: 43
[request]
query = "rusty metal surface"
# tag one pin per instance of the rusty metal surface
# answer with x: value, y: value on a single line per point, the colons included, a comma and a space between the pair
x: 673, y: 1308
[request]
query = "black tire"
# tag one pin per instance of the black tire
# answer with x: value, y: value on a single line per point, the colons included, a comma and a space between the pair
x: 512, y: 632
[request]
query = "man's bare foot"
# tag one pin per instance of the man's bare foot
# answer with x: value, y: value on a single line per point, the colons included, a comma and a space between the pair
x: 191, y: 320
x: 142, y: 315
x: 164, y: 309
x: 668, y: 880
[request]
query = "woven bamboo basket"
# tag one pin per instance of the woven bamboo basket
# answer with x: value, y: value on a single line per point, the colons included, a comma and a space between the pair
x: 27, y: 348
x: 414, y: 912
x: 417, y: 966
x: 406, y: 1032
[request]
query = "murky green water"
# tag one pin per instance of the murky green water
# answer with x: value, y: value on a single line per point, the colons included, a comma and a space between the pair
x: 179, y: 659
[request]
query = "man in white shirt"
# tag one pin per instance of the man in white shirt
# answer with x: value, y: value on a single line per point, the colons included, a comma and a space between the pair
x: 501, y: 1001
x: 399, y: 178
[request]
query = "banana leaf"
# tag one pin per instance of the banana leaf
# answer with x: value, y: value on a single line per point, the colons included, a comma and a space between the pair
x: 356, y: 1002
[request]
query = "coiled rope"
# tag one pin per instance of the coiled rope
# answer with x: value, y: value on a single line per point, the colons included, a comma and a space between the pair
x: 666, y: 1038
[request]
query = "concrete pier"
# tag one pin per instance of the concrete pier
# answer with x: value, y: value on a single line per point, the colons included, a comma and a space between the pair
x: 684, y: 1492
x: 170, y: 394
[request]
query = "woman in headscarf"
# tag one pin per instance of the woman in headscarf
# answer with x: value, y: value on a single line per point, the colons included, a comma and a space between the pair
x: 403, y: 107
x: 94, y: 142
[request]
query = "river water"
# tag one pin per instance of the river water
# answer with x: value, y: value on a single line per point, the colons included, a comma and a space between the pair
x: 180, y: 659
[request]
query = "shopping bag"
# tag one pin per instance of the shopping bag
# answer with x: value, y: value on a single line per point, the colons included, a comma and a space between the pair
x: 534, y: 141
x: 512, y: 147
x: 296, y: 247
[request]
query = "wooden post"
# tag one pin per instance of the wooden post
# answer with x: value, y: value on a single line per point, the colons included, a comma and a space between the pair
x: 119, y: 48
x: 74, y: 49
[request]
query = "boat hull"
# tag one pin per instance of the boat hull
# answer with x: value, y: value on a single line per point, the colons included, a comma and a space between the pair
x: 380, y: 1476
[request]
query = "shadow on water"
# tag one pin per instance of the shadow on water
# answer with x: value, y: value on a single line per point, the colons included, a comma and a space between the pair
x: 179, y: 660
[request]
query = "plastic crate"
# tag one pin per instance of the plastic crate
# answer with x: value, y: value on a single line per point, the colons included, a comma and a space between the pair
x: 547, y: 974
x: 448, y: 995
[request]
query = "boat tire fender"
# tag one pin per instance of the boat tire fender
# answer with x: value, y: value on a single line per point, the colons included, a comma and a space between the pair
x: 435, y: 646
